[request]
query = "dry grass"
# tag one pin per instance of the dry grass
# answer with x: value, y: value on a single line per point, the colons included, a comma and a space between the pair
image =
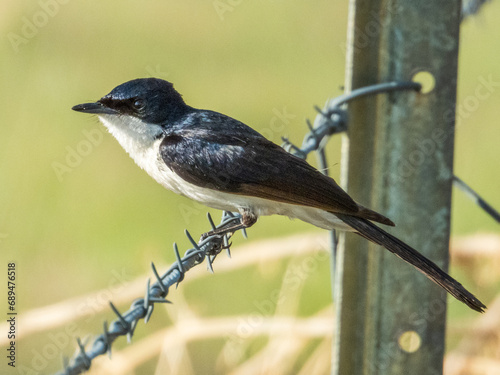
x: 287, y: 335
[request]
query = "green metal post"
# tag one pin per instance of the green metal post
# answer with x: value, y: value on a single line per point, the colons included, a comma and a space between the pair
x: 398, y: 160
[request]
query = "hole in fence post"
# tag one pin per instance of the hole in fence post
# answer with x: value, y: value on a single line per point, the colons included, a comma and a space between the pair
x: 426, y: 79
x: 410, y: 341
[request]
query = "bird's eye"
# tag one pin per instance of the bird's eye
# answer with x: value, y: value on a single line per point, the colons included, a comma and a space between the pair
x: 139, y: 104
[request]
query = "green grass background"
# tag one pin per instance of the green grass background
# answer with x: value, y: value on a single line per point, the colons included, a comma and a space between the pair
x: 68, y: 234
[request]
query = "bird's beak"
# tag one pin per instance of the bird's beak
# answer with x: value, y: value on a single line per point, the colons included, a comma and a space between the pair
x: 95, y: 108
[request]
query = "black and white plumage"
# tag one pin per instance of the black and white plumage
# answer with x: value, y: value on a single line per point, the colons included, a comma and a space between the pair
x: 224, y: 164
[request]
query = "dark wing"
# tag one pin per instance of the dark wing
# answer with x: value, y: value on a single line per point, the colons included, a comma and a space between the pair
x: 217, y: 152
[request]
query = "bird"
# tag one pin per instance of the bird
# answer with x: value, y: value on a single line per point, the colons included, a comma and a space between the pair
x: 224, y: 164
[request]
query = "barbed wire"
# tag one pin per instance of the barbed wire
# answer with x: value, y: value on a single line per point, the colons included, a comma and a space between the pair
x: 330, y: 120
x: 326, y: 124
x: 207, y: 248
x: 476, y: 198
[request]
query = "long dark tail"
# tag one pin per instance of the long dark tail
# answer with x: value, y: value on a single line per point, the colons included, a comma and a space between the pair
x: 375, y: 234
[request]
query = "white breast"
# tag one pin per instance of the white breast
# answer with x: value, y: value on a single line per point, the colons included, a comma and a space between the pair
x: 138, y: 139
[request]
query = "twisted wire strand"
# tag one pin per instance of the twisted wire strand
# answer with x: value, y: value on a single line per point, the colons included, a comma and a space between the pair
x: 330, y: 120
x: 142, y: 308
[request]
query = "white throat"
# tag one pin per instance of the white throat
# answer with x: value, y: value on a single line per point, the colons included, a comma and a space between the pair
x: 142, y: 143
x: 134, y: 135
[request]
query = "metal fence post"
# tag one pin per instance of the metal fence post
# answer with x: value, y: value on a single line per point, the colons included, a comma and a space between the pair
x: 398, y: 160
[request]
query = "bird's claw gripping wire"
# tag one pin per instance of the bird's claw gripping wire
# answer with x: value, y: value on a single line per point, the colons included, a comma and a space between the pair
x: 331, y: 120
x: 142, y: 308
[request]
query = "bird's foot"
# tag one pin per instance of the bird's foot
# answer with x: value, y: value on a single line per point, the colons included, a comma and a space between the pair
x: 247, y: 220
x: 222, y: 231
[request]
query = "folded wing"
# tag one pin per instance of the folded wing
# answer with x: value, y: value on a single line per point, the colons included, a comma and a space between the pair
x: 228, y: 156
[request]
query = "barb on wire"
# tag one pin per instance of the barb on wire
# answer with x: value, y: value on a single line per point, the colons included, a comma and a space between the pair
x: 332, y: 120
x: 476, y: 198
x: 142, y: 308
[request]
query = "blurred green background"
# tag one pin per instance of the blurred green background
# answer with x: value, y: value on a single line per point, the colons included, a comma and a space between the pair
x: 68, y: 230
